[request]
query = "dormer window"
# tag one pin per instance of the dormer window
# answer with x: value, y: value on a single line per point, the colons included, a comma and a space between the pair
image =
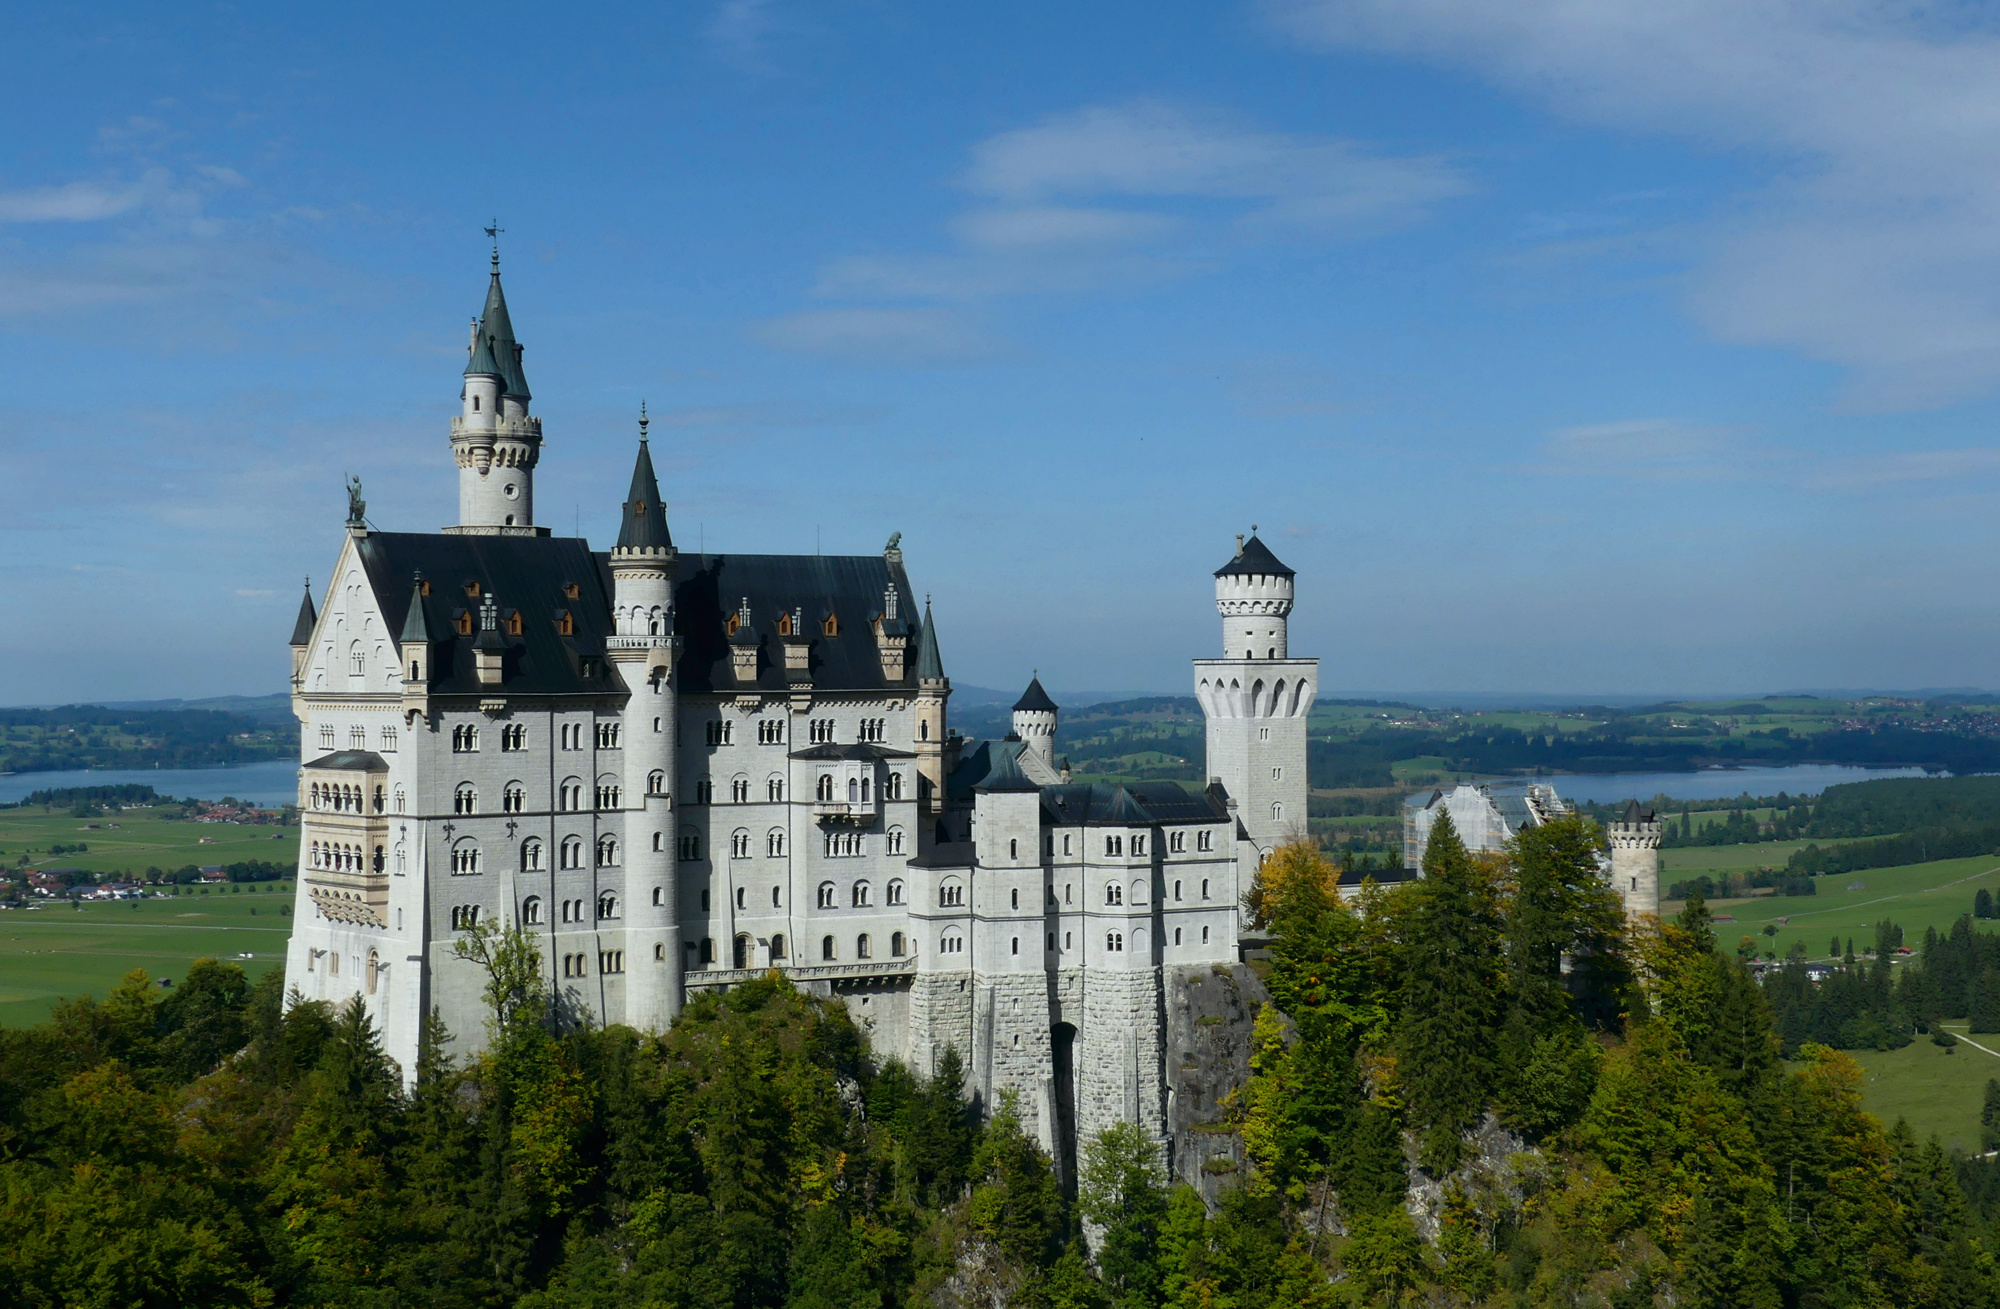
x: 566, y: 624
x: 465, y: 622
x: 732, y: 625
x: 569, y: 590
x: 784, y: 624
x: 831, y: 627
x: 514, y: 623
x: 472, y: 589
x: 424, y: 587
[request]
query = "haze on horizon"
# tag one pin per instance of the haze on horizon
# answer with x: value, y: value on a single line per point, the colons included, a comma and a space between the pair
x: 1562, y: 350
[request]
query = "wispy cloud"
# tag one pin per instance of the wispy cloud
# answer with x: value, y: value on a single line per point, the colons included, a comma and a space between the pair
x: 1668, y: 450
x: 1114, y: 197
x: 740, y: 29
x: 1877, y: 245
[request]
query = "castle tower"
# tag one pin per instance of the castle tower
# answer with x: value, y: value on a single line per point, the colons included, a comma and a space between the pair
x: 1635, y: 861
x: 643, y: 648
x: 302, y: 638
x: 933, y: 689
x: 494, y: 440
x: 1035, y: 722
x: 1256, y: 698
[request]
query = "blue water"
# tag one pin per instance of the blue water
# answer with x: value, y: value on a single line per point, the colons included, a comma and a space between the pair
x: 1716, y: 783
x: 267, y: 784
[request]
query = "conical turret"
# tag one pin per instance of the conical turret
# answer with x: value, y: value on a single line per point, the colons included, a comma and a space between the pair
x: 494, y: 441
x: 644, y: 524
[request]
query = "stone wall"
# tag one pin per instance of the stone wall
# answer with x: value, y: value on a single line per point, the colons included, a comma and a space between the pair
x: 1210, y: 1012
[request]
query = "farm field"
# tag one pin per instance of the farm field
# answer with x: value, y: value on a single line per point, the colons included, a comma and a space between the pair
x: 1694, y: 860
x: 142, y: 839
x: 1915, y: 897
x: 55, y: 950
x: 1940, y: 1091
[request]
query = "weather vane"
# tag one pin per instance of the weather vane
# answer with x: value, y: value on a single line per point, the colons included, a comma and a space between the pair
x: 643, y: 420
x: 493, y: 234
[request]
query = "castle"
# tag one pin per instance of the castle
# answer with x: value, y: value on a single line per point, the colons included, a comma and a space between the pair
x: 678, y: 772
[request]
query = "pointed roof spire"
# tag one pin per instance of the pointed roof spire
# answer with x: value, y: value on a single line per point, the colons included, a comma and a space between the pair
x: 1253, y: 559
x: 1006, y: 774
x: 1035, y: 698
x: 495, y: 351
x: 417, y: 627
x: 644, y: 525
x: 929, y: 666
x: 302, y: 631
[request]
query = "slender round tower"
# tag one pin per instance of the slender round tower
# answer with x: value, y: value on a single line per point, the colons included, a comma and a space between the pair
x: 1253, y: 593
x: 643, y: 647
x: 1035, y: 722
x: 494, y: 440
x: 1635, y: 861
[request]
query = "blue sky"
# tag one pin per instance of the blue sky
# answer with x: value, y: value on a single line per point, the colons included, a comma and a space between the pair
x: 1560, y: 347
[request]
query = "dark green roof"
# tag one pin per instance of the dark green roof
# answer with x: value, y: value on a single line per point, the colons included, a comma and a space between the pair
x: 1035, y: 698
x: 1006, y: 774
x: 1254, y: 560
x: 302, y: 631
x: 497, y: 352
x: 929, y: 665
x: 644, y: 526
x: 416, y: 628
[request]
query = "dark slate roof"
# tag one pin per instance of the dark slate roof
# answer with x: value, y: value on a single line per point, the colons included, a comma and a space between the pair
x: 644, y: 525
x: 416, y: 626
x: 483, y: 362
x: 1254, y: 560
x: 1382, y: 876
x: 850, y: 587
x: 1035, y: 698
x: 361, y: 761
x: 529, y: 573
x: 857, y: 750
x: 497, y: 327
x: 928, y: 663
x: 1636, y: 814
x: 1135, y: 804
x: 302, y: 631
x: 1006, y: 774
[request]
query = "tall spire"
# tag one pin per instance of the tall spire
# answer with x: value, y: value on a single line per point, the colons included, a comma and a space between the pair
x: 416, y: 624
x: 929, y: 665
x: 644, y: 524
x: 302, y: 631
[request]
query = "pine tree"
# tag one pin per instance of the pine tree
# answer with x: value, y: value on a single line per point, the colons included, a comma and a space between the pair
x: 1982, y: 904
x: 1451, y: 998
x: 1983, y: 1007
x: 1989, y: 1117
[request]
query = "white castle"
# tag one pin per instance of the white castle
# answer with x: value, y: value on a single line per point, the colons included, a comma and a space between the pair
x: 681, y: 771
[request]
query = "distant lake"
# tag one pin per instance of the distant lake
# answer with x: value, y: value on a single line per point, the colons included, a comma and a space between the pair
x: 267, y: 784
x: 1716, y: 783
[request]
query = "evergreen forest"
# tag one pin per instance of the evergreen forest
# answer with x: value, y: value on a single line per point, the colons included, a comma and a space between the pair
x: 1473, y: 1089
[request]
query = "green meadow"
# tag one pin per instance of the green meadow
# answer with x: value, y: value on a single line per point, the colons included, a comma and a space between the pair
x: 55, y: 950
x: 1938, y: 1090
x: 141, y: 839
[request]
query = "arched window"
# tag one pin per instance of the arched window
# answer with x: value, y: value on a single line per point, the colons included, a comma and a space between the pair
x: 826, y: 950
x: 951, y: 943
x: 656, y: 783
x: 774, y: 788
x: 1114, y: 893
x: 531, y: 856
x: 951, y: 893
x: 659, y: 896
x: 739, y: 844
x: 739, y: 790
x: 861, y: 895
x: 853, y: 790
x: 1204, y: 888
x: 740, y: 953
x: 690, y: 845
x: 1114, y: 942
x: 777, y: 945
x: 513, y: 799
x: 774, y: 842
x: 1013, y: 848
x: 777, y: 897
x: 1139, y: 892
x: 826, y: 895
x: 1277, y: 811
x: 742, y: 897
x: 572, y: 852
x: 569, y: 797
x: 374, y: 968
x: 892, y: 787
x: 894, y: 895
x: 531, y: 911
x: 861, y: 946
x: 895, y: 945
x: 607, y: 905
x: 464, y: 858
x: 659, y: 842
x: 464, y: 798
x: 826, y: 788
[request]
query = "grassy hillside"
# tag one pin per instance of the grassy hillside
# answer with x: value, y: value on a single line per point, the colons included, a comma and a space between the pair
x: 133, y: 840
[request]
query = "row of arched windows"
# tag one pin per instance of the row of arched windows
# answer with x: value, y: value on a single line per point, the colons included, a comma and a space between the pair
x: 344, y: 799
x: 339, y: 857
x: 859, y: 896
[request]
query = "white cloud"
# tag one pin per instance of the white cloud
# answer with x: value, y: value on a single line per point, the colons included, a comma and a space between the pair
x: 1877, y: 247
x: 1113, y: 196
x: 75, y: 202
x: 1150, y: 150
